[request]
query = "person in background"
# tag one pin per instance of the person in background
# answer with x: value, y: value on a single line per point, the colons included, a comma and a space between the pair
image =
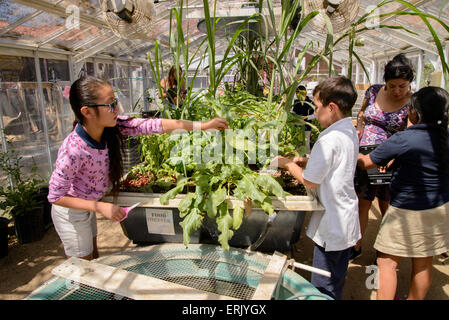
x: 89, y: 163
x: 169, y: 86
x: 416, y: 224
x: 383, y: 113
x: 330, y: 169
x: 303, y: 106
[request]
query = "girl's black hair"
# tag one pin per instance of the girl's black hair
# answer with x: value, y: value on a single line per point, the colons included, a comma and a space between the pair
x: 84, y: 92
x: 399, y: 68
x: 431, y: 105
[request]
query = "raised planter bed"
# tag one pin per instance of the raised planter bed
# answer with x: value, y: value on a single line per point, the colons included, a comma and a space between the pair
x: 152, y: 223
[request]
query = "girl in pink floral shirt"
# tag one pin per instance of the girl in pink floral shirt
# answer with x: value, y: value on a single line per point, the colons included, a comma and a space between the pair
x: 89, y: 163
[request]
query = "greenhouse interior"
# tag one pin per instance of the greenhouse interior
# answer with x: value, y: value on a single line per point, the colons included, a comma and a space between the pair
x: 242, y: 61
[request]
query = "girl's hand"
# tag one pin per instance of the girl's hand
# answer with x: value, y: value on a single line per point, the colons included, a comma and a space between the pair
x: 216, y: 123
x: 110, y: 211
x: 384, y: 169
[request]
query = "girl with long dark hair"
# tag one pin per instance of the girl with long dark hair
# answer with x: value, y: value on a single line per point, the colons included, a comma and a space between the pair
x: 89, y: 162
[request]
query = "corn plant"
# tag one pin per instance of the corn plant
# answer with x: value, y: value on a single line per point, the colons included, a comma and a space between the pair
x: 210, y: 185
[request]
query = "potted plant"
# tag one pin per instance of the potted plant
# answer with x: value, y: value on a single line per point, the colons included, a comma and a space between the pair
x: 3, y: 237
x: 21, y: 199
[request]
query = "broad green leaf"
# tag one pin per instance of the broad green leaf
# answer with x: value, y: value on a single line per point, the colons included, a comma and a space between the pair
x: 218, y: 196
x: 224, y: 224
x: 191, y: 222
x: 237, y: 217
x: 267, y: 206
x: 184, y: 204
x: 210, y: 209
x: 171, y: 194
x: 267, y: 182
x: 246, y: 186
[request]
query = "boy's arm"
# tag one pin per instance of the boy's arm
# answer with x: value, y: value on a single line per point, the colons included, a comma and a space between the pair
x: 294, y: 169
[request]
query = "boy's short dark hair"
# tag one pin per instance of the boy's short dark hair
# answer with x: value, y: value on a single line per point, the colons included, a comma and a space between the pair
x: 300, y: 87
x: 339, y: 90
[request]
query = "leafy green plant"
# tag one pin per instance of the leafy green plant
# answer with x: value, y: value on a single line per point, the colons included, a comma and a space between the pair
x: 20, y: 198
x: 208, y: 187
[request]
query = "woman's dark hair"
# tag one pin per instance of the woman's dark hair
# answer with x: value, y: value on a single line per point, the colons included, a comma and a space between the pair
x: 339, y: 90
x: 84, y: 92
x: 399, y: 68
x: 431, y: 105
x: 172, y: 82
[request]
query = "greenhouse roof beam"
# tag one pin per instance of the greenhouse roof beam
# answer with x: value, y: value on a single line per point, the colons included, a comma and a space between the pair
x: 409, y: 39
x: 23, y: 20
x: 54, y: 36
x: 19, y: 22
x: 375, y: 41
x: 91, y: 39
x: 431, y: 10
x: 58, y: 10
x: 416, y: 3
x: 101, y: 46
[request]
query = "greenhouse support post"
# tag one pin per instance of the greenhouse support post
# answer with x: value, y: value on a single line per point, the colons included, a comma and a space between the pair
x: 4, y: 143
x: 419, y: 69
x: 40, y: 94
x: 146, y: 106
x: 130, y: 81
x: 445, y: 84
x: 115, y: 73
x: 95, y: 67
x: 373, y: 72
x: 357, y: 73
x: 71, y: 68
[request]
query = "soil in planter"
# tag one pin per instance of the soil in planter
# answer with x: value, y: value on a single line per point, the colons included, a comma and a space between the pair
x: 289, y: 183
x: 146, y: 183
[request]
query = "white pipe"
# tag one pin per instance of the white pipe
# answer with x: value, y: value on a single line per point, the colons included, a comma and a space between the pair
x: 312, y: 269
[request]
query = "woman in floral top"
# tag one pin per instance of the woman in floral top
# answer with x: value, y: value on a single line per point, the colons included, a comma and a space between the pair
x: 89, y: 163
x: 383, y: 113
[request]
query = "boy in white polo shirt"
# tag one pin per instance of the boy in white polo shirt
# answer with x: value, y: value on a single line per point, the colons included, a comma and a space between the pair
x: 330, y: 169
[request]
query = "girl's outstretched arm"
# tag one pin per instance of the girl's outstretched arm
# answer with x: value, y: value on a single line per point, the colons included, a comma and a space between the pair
x: 169, y: 125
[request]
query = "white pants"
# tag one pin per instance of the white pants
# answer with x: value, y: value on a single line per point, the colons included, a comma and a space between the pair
x: 76, y: 229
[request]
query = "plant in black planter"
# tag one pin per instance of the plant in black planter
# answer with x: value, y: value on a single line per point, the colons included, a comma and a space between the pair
x: 21, y: 200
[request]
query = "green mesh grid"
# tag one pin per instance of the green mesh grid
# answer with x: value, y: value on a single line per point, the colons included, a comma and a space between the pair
x: 235, y: 273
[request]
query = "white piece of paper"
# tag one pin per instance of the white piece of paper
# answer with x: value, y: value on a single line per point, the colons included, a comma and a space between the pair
x: 160, y: 221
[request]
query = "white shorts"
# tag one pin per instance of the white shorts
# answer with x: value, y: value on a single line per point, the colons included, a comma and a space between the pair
x: 76, y: 229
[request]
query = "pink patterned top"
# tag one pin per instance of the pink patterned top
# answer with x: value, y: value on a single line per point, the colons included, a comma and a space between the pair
x: 82, y: 166
x: 380, y: 125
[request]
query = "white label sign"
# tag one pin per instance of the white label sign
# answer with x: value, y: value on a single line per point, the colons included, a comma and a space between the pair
x: 160, y: 221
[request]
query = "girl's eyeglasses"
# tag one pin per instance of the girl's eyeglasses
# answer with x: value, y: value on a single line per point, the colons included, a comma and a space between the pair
x: 111, y: 105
